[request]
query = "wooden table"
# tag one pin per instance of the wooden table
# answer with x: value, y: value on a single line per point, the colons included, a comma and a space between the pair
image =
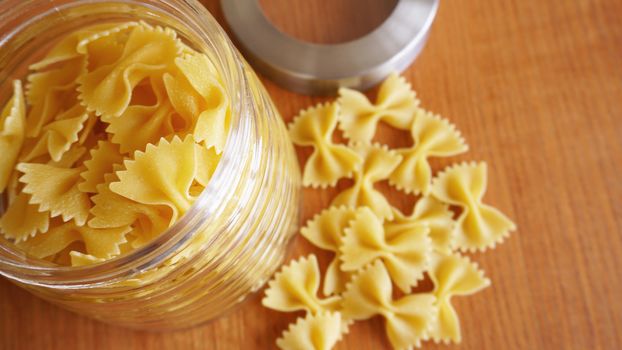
x: 536, y: 88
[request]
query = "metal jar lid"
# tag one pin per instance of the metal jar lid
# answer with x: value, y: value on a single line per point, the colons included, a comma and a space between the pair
x: 321, y: 69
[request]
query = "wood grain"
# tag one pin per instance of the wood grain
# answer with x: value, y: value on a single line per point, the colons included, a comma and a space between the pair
x: 536, y: 88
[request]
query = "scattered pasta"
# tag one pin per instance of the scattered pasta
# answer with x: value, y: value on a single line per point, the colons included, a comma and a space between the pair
x: 329, y: 162
x: 326, y: 231
x: 395, y: 105
x: 375, y: 245
x: 452, y: 275
x: 480, y: 226
x: 405, y: 253
x: 295, y: 288
x: 315, y: 332
x: 119, y: 130
x: 434, y: 137
x: 378, y: 163
x: 408, y: 320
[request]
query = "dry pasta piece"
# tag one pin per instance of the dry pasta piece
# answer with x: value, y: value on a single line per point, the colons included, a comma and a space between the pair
x: 140, y: 125
x: 162, y: 175
x: 480, y: 226
x: 107, y: 90
x: 200, y: 99
x: 71, y: 158
x: 314, y: 332
x: 101, y: 243
x: 406, y: 254
x: 12, y: 129
x: 102, y: 160
x: 434, y: 137
x: 52, y: 92
x: 81, y: 259
x: 325, y: 231
x: 207, y: 161
x: 452, y: 275
x: 430, y: 213
x: 63, y: 77
x: 295, y: 288
x: 23, y: 220
x: 396, y: 105
x: 56, y: 190
x: 72, y: 45
x: 329, y: 162
x: 378, y: 163
x: 105, y: 46
x: 56, y: 137
x: 111, y: 210
x: 408, y: 320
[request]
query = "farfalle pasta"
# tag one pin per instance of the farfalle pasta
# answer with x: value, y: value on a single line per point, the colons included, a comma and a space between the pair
x: 295, y: 288
x: 12, y: 131
x: 405, y: 253
x: 376, y: 245
x: 452, y: 275
x: 480, y: 226
x: 378, y: 163
x: 314, y: 332
x: 396, y: 105
x: 408, y: 320
x: 107, y: 90
x: 119, y: 130
x: 326, y: 232
x: 329, y: 162
x: 433, y: 137
x: 428, y: 212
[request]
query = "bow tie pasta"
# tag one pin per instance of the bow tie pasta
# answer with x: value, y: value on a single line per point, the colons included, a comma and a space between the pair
x: 118, y: 131
x: 378, y: 248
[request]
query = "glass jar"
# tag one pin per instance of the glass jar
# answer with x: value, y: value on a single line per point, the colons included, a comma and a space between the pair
x: 236, y: 233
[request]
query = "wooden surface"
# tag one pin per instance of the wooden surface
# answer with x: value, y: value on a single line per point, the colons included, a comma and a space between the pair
x: 536, y: 88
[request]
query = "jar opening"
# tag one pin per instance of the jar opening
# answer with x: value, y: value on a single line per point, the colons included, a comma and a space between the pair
x: 28, y: 24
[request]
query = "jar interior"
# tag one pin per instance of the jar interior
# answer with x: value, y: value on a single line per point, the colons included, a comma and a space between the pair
x: 31, y: 37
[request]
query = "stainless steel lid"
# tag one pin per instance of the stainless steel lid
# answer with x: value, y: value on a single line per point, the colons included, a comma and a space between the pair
x: 321, y: 69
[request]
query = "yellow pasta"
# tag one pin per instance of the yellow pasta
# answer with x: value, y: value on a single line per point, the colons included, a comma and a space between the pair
x: 431, y: 213
x: 140, y: 125
x: 56, y: 190
x: 396, y: 105
x: 315, y: 332
x: 480, y: 226
x: 408, y: 320
x: 56, y: 137
x: 406, y: 253
x: 111, y: 210
x: 22, y: 220
x: 107, y: 90
x: 434, y: 137
x: 329, y: 162
x: 101, y: 162
x: 81, y: 259
x: 212, y: 121
x: 101, y: 243
x: 295, y: 288
x: 12, y: 129
x: 121, y: 125
x: 71, y: 158
x: 162, y: 175
x: 73, y: 45
x: 378, y: 163
x: 325, y: 231
x: 452, y: 275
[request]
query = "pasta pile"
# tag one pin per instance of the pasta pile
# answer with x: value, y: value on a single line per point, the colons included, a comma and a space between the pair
x: 376, y: 247
x: 118, y: 130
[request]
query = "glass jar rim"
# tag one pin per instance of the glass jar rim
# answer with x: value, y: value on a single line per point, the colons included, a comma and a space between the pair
x: 15, y: 265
